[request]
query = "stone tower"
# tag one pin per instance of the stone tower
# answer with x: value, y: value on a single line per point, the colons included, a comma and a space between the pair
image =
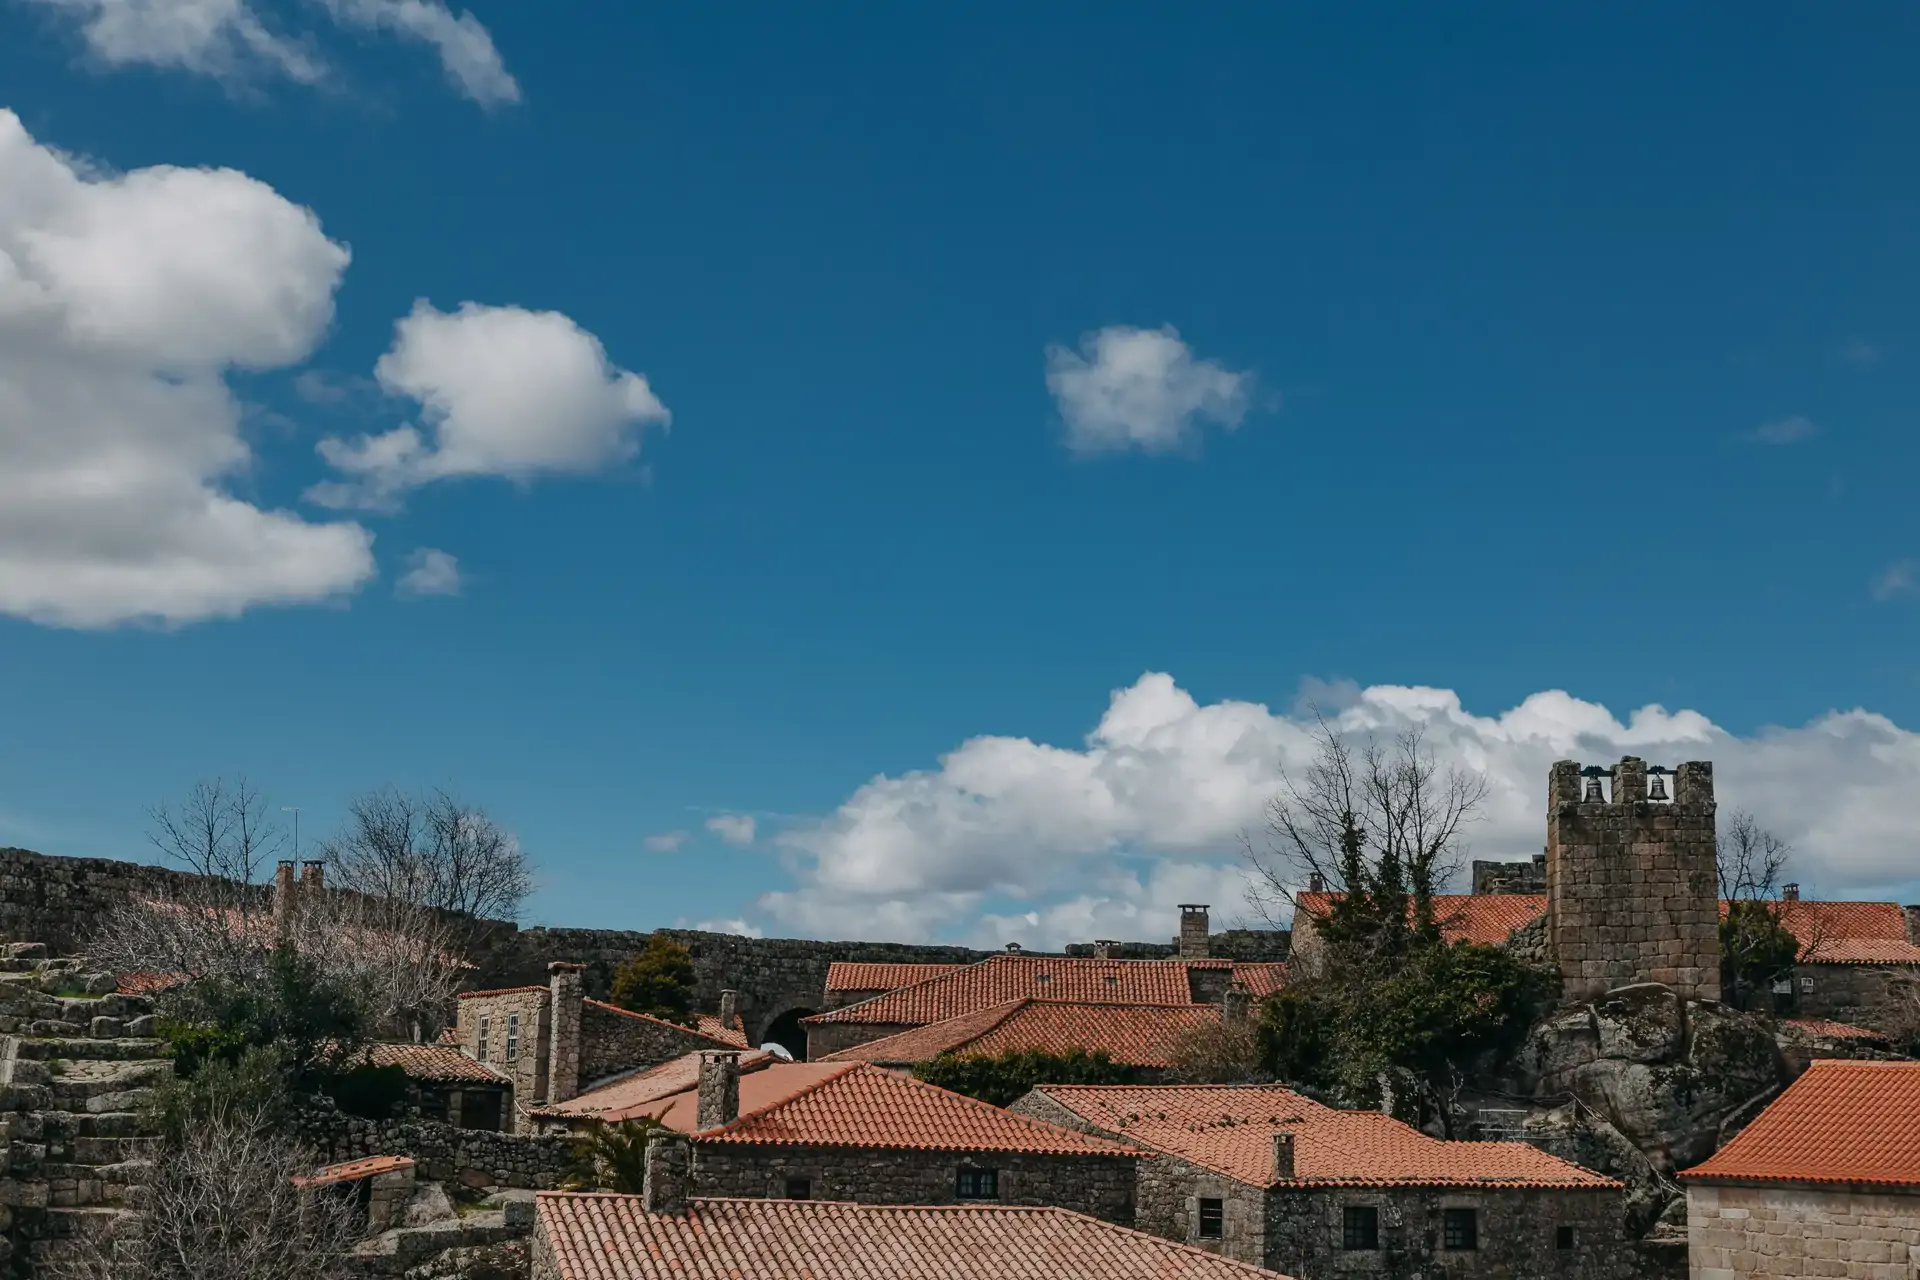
x: 1631, y: 891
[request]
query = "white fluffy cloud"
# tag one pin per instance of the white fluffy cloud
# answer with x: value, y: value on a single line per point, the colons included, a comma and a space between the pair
x: 735, y: 828
x: 430, y: 572
x: 503, y: 392
x: 124, y: 301
x: 1103, y: 839
x: 665, y: 842
x: 230, y: 41
x: 1128, y: 388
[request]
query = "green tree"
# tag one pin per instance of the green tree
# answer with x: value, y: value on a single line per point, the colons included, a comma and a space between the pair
x: 614, y: 1156
x: 308, y: 1017
x: 658, y: 982
x: 1756, y: 947
x: 1004, y: 1078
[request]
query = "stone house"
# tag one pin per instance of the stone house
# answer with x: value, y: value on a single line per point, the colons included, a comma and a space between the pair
x: 670, y: 1231
x: 1266, y: 1176
x: 1824, y: 1182
x: 1141, y: 1036
x: 1193, y: 979
x: 852, y: 1131
x: 549, y: 1041
x: 378, y: 1186
x: 445, y: 1084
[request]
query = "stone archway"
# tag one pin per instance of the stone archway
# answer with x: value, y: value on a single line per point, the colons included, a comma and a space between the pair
x: 784, y: 1029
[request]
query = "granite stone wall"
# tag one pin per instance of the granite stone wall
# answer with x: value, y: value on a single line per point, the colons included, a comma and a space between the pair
x: 1102, y: 1186
x: 57, y: 901
x: 1865, y: 995
x: 528, y: 1070
x: 1631, y: 891
x: 1737, y: 1232
x: 1167, y: 1204
x: 612, y: 1041
x: 831, y: 1037
x: 443, y: 1152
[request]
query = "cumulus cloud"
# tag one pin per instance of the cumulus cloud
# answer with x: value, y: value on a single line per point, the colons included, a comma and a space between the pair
x: 1785, y: 431
x: 1128, y: 388
x: 229, y: 41
x: 430, y: 572
x: 503, y: 392
x: 125, y: 300
x: 735, y: 828
x: 1011, y: 839
x: 735, y: 926
x: 1897, y: 579
x: 665, y: 842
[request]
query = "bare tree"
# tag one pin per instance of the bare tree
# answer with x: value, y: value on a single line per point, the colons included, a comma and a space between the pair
x: 431, y: 851
x: 1750, y: 860
x: 223, y: 1206
x: 1759, y: 943
x: 1380, y: 821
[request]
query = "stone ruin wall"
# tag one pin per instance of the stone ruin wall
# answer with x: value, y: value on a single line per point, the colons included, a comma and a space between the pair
x: 1631, y: 890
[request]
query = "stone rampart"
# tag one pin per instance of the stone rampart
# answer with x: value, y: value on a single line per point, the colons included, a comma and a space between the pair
x: 444, y: 1153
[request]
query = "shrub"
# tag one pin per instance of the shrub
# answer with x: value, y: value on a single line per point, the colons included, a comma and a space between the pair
x: 614, y: 1156
x: 1003, y: 1079
x: 367, y: 1091
x: 658, y: 982
x: 298, y: 1010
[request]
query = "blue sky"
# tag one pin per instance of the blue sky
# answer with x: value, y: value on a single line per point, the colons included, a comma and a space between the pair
x: 1517, y: 351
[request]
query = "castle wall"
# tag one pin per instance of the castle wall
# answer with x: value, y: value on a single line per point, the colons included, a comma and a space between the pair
x: 1631, y: 891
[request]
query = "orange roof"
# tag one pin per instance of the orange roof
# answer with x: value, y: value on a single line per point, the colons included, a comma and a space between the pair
x: 1486, y: 918
x: 596, y: 1236
x: 641, y: 1093
x: 722, y: 1038
x: 1230, y: 1128
x: 854, y: 1104
x: 354, y: 1170
x: 497, y: 991
x: 998, y: 979
x: 861, y: 975
x: 713, y: 1028
x: 1830, y: 1029
x: 432, y: 1062
x: 1842, y: 1121
x: 1140, y: 1035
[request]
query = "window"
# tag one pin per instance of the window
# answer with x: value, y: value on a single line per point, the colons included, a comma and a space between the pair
x: 1806, y: 983
x: 977, y: 1184
x: 799, y: 1189
x: 1359, y: 1227
x: 480, y: 1045
x: 1213, y: 1216
x: 1563, y: 1238
x: 1460, y: 1228
x: 513, y: 1037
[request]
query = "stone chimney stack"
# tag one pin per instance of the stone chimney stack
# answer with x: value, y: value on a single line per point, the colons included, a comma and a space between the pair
x: 313, y: 877
x: 668, y: 1180
x: 1193, y: 931
x: 1790, y: 893
x: 1235, y: 1005
x: 729, y: 1008
x: 564, y: 997
x: 719, y: 1100
x: 1912, y: 913
x: 1103, y: 948
x: 1316, y: 883
x: 1283, y: 1155
x: 285, y: 899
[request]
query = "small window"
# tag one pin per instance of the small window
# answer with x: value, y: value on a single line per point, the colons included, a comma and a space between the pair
x: 1359, y: 1227
x: 1563, y: 1239
x: 799, y: 1189
x: 1460, y: 1228
x: 480, y: 1045
x: 513, y: 1037
x: 1783, y: 986
x: 1806, y: 983
x: 977, y: 1184
x: 1213, y: 1217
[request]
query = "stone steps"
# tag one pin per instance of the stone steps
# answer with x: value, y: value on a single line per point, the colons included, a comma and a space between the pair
x: 73, y: 1048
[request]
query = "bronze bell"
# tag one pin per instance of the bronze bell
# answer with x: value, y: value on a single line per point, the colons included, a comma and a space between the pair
x: 1657, y: 787
x: 1593, y: 792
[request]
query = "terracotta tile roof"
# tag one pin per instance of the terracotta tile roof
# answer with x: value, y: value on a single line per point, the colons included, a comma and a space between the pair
x: 854, y: 1104
x: 608, y: 1237
x: 998, y: 979
x: 1842, y: 1121
x: 442, y: 1063
x: 354, y: 1170
x: 722, y: 1039
x: 146, y: 983
x: 642, y: 1093
x: 862, y: 975
x: 1830, y: 1030
x: 498, y: 991
x: 735, y: 1035
x: 1230, y: 1128
x: 1138, y: 1035
x: 448, y: 1035
x: 1485, y: 918
x: 1261, y: 979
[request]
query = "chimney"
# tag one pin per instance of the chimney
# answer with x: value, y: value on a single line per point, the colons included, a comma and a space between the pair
x: 1316, y: 883
x: 668, y: 1180
x: 729, y: 1008
x: 563, y: 1030
x: 1235, y: 1004
x: 1193, y: 931
x: 1913, y: 923
x: 1014, y: 947
x: 1103, y: 948
x: 313, y: 876
x: 1282, y: 1155
x: 1790, y: 893
x: 285, y: 895
x: 719, y: 1101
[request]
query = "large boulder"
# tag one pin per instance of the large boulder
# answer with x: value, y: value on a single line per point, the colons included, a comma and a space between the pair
x: 1578, y: 1135
x: 1646, y: 1022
